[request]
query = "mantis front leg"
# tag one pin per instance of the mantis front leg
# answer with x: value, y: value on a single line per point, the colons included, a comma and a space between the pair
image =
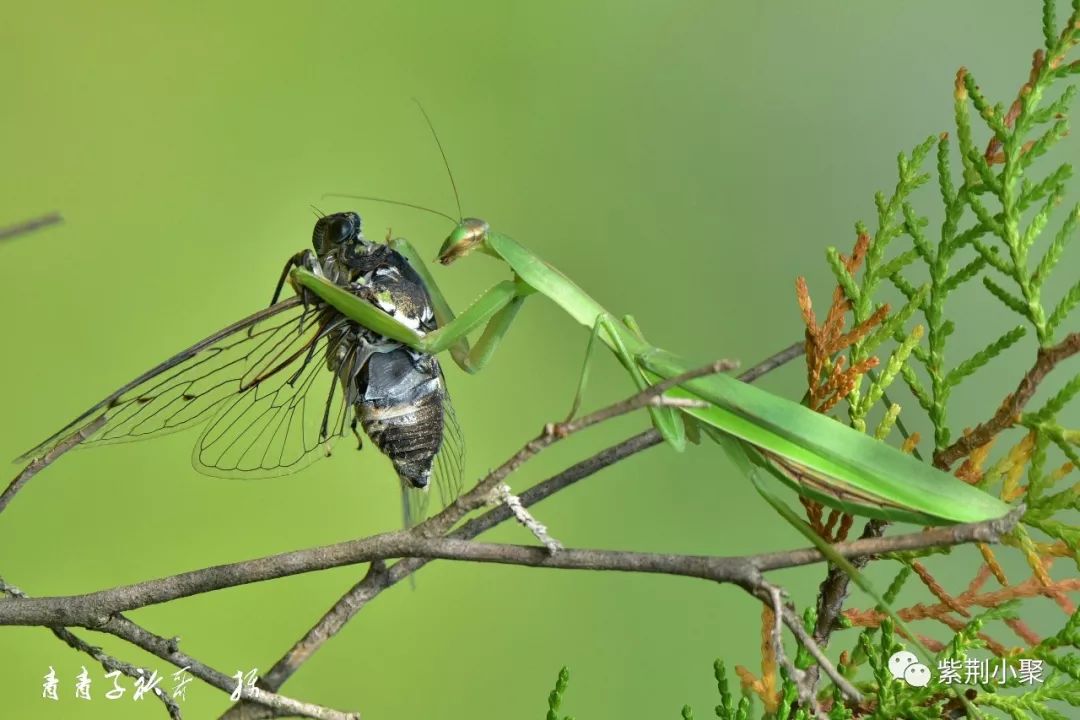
x: 473, y: 359
x: 496, y: 307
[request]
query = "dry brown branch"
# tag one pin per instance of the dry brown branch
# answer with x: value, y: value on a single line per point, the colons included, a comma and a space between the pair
x: 104, y: 659
x: 93, y: 610
x: 29, y: 226
x: 378, y: 578
x: 1031, y: 587
x: 1047, y: 358
x: 168, y: 650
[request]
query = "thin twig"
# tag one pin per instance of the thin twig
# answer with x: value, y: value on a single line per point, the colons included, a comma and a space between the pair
x: 833, y: 591
x: 104, y: 659
x: 166, y: 649
x: 28, y: 226
x: 774, y: 361
x: 806, y: 691
x: 1045, y: 361
x: 770, y: 595
x: 650, y: 396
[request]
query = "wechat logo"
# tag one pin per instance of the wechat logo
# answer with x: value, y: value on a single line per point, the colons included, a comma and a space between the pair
x: 905, y: 666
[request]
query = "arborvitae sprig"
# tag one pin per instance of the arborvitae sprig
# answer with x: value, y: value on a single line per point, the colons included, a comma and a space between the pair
x: 727, y: 710
x: 861, y: 292
x: 1003, y: 226
x: 555, y: 698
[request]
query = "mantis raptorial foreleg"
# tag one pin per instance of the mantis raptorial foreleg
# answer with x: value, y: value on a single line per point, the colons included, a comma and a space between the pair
x: 496, y: 309
x: 473, y: 359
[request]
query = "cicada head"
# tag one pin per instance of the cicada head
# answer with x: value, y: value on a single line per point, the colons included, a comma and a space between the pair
x: 335, y: 231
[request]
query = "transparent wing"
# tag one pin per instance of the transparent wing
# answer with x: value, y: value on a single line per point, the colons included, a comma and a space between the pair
x: 264, y: 380
x: 290, y: 411
x: 449, y: 470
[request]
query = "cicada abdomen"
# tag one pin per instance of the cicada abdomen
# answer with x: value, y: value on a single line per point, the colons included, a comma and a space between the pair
x: 401, y: 410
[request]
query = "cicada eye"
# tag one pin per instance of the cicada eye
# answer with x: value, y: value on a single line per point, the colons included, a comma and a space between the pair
x: 343, y: 228
x: 336, y: 229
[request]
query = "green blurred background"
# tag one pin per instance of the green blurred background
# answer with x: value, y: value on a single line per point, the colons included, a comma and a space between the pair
x: 683, y: 161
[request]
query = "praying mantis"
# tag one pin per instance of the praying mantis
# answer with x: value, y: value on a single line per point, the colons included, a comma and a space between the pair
x: 816, y: 456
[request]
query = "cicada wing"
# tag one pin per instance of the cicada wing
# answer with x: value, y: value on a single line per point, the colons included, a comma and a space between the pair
x: 166, y: 397
x: 291, y: 407
x: 450, y: 462
x: 209, y: 377
x: 414, y: 505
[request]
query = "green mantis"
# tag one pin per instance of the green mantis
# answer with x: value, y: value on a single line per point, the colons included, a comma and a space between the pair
x: 815, y: 455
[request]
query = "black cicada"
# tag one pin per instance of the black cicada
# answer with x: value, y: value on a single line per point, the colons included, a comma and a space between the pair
x: 277, y: 388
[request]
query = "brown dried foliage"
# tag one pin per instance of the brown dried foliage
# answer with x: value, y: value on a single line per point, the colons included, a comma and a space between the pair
x: 954, y: 611
x: 828, y: 376
x: 765, y: 687
x: 829, y: 379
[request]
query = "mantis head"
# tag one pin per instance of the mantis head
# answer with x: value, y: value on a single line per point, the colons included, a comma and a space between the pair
x: 470, y: 234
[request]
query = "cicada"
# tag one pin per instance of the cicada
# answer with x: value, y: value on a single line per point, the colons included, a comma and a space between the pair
x: 276, y: 389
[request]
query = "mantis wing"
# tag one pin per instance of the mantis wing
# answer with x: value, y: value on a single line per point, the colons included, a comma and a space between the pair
x: 826, y: 460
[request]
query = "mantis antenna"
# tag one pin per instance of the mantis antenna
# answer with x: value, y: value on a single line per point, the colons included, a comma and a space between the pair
x: 388, y: 201
x: 446, y: 163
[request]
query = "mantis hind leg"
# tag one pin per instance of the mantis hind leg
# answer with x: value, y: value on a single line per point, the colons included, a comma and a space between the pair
x: 583, y: 379
x: 667, y: 420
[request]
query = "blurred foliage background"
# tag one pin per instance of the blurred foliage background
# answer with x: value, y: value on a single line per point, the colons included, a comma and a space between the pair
x: 683, y: 161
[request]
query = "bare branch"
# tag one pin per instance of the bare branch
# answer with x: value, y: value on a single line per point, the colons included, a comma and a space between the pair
x: 28, y: 226
x: 650, y: 396
x: 794, y: 624
x: 806, y: 690
x: 378, y: 578
x: 104, y: 659
x: 774, y: 361
x: 93, y: 610
x: 1045, y: 361
x: 167, y: 650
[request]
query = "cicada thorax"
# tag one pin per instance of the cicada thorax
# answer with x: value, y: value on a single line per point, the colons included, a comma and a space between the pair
x: 397, y: 394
